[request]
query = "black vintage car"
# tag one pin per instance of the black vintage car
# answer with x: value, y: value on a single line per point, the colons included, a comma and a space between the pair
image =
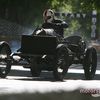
x: 45, y: 50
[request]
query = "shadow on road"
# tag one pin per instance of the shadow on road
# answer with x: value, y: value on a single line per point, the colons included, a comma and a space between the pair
x: 62, y: 95
x: 45, y: 76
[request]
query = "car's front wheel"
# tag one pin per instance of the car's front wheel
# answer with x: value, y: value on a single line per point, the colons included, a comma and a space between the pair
x: 34, y: 67
x: 61, y: 66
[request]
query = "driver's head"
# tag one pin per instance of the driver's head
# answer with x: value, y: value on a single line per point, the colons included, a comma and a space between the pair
x: 48, y: 15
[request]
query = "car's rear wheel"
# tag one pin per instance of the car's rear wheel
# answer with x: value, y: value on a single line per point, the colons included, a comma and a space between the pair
x: 90, y: 63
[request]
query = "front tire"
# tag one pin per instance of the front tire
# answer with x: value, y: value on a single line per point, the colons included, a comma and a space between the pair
x: 5, y: 62
x: 61, y: 64
x: 34, y: 66
x: 90, y: 63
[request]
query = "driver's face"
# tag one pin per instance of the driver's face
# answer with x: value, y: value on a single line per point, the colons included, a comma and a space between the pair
x: 48, y: 19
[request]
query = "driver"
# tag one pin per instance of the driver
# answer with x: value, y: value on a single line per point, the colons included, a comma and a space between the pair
x: 51, y: 22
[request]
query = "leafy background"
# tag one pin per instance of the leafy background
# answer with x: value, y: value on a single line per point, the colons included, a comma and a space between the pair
x: 28, y: 13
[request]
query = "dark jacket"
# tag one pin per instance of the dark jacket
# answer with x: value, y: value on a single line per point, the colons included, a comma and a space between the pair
x: 57, y: 25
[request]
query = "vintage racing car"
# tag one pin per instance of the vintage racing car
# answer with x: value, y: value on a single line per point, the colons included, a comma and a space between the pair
x: 45, y: 50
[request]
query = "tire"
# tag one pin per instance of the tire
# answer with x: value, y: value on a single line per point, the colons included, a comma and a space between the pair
x: 34, y: 66
x: 5, y: 62
x: 61, y: 64
x: 90, y: 63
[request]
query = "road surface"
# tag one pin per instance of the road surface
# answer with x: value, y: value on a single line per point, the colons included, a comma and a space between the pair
x: 19, y: 81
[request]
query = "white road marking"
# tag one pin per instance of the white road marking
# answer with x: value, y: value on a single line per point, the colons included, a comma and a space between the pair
x: 80, y: 71
x: 70, y: 70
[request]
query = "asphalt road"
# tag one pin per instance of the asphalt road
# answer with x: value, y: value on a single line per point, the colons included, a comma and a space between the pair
x: 19, y: 81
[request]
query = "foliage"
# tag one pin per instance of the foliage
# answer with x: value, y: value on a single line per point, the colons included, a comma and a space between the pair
x: 29, y: 12
x: 83, y: 6
x: 25, y: 11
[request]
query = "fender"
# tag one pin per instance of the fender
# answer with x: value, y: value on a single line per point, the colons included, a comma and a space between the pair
x: 61, y: 45
x: 64, y: 46
x: 4, y: 44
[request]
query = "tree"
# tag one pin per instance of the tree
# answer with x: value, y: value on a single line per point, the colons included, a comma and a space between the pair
x: 29, y: 12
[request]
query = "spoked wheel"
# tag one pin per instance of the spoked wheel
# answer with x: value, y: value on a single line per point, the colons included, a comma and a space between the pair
x: 5, y: 62
x: 61, y: 64
x: 90, y: 63
x: 34, y: 66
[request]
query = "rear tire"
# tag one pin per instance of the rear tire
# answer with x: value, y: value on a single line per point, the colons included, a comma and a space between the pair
x: 90, y: 63
x: 5, y: 62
